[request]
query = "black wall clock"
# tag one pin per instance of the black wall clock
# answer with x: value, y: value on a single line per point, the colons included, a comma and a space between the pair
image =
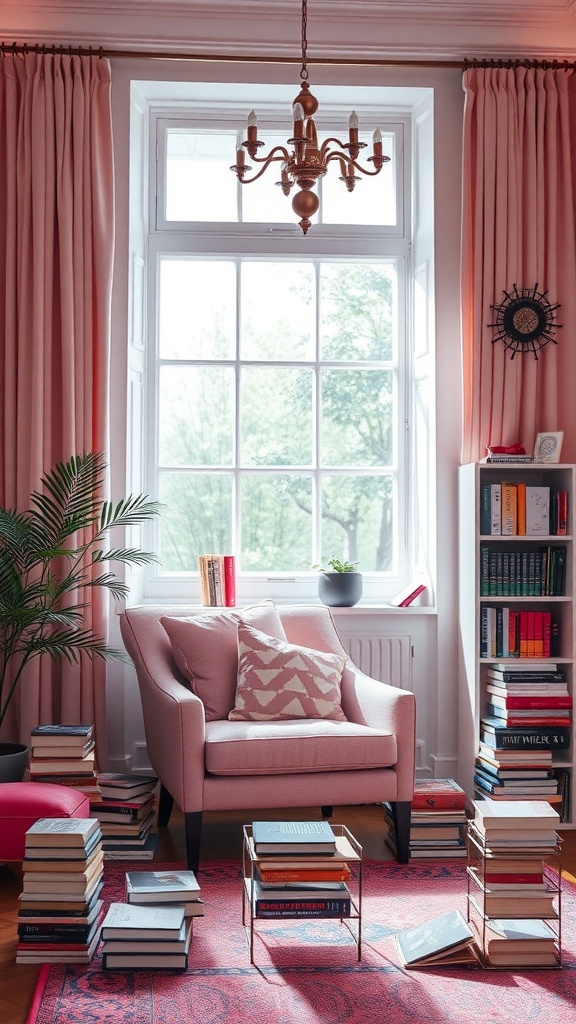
x: 525, y: 320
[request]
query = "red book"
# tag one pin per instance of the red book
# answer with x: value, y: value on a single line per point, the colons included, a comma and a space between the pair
x: 229, y: 581
x: 532, y: 702
x: 442, y: 794
x: 538, y: 634
x: 547, y: 616
x: 523, y: 616
x: 562, y: 523
x: 513, y: 877
x: 515, y: 721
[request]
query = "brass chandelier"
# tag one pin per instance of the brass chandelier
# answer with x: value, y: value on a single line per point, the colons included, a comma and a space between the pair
x: 306, y: 162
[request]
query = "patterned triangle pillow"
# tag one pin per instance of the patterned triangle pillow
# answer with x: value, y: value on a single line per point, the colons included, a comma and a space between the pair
x: 278, y: 680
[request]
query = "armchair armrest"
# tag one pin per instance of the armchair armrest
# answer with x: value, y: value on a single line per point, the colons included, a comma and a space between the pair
x: 371, y: 702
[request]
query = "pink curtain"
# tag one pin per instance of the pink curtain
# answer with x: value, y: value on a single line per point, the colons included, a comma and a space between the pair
x: 518, y: 229
x: 56, y: 254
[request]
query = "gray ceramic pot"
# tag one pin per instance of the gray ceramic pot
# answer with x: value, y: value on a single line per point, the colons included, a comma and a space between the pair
x: 13, y: 762
x: 340, y: 589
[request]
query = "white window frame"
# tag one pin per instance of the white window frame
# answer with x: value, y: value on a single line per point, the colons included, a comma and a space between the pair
x: 375, y: 243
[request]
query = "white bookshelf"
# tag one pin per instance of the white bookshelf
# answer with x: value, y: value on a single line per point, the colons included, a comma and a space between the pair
x: 472, y: 667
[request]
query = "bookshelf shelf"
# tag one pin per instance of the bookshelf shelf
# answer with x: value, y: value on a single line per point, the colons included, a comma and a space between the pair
x: 251, y: 862
x: 515, y: 588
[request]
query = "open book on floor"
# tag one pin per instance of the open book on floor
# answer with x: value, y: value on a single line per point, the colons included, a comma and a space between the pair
x: 440, y: 941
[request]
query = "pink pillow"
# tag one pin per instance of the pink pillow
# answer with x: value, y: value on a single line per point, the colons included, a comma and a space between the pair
x: 278, y: 680
x: 205, y: 649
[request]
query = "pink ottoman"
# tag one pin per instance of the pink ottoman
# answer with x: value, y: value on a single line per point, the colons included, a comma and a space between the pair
x: 22, y: 803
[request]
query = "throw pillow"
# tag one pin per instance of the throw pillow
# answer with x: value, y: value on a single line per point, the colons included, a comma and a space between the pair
x: 278, y: 680
x: 205, y: 649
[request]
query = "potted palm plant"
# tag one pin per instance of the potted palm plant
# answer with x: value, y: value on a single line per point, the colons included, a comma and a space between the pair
x: 50, y: 555
x: 339, y: 583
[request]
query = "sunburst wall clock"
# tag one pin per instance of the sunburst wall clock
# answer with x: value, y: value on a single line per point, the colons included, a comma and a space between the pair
x: 525, y: 320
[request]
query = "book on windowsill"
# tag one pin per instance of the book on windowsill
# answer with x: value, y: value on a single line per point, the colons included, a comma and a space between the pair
x: 407, y: 595
x: 161, y: 887
x: 293, y: 837
x: 446, y: 939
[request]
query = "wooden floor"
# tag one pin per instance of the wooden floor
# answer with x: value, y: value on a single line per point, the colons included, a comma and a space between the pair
x: 222, y: 840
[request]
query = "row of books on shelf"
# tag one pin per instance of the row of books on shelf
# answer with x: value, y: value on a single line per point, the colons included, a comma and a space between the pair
x: 437, y: 820
x: 520, y: 509
x: 217, y: 580
x: 523, y: 573
x: 512, y: 633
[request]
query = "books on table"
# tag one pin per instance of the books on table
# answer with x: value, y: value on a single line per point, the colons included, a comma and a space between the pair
x: 445, y: 939
x: 293, y: 837
x: 329, y: 900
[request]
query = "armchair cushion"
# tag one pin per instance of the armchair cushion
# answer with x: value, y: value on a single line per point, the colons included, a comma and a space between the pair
x: 205, y: 649
x: 278, y: 680
x: 281, y: 748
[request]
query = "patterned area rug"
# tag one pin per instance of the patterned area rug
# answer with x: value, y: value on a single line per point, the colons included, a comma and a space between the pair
x: 307, y: 973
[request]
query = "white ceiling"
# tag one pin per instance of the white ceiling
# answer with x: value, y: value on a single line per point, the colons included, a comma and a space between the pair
x: 344, y: 29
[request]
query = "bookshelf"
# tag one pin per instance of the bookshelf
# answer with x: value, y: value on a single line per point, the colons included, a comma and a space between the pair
x: 509, y: 580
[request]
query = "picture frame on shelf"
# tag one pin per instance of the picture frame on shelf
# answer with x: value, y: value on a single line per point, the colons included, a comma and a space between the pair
x: 548, y: 446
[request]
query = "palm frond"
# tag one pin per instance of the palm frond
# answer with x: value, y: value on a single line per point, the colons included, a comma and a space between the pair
x: 135, y: 509
x: 129, y: 556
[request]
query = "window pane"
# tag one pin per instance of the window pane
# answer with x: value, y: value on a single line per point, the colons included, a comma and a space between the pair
x: 373, y: 200
x: 276, y: 522
x: 276, y: 417
x: 263, y: 201
x: 199, y: 182
x: 196, y: 519
x: 278, y: 318
x: 357, y: 521
x: 196, y: 415
x: 357, y: 417
x: 197, y: 309
x: 357, y: 304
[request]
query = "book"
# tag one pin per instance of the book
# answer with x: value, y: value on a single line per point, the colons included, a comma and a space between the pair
x: 281, y: 862
x: 36, y: 855
x: 518, y: 936
x: 289, y: 837
x: 60, y: 735
x: 527, y: 701
x: 83, y: 765
x: 61, y: 832
x: 78, y: 750
x: 337, y: 874
x: 535, y: 815
x: 147, y: 946
x: 495, y: 734
x: 407, y: 595
x: 57, y: 955
x: 50, y: 918
x: 161, y: 886
x: 495, y: 510
x: 438, y: 793
x: 447, y: 938
x: 509, y: 509
x: 130, y: 921
x: 307, y: 906
x: 229, y: 581
x: 131, y: 851
x: 145, y: 961
x: 125, y: 781
x: 537, y: 511
x: 42, y: 867
x: 533, y: 903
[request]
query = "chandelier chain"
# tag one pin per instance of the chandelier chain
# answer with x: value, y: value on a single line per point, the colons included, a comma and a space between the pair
x: 304, y: 70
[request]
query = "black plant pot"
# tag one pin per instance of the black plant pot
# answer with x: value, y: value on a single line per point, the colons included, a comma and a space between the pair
x: 13, y: 762
x: 340, y: 589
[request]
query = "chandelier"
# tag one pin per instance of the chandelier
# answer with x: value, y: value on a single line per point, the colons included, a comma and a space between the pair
x: 306, y: 162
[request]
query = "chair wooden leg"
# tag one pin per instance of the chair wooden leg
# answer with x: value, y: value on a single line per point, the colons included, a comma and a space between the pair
x: 401, y: 818
x: 327, y: 811
x: 193, y: 826
x: 165, y: 805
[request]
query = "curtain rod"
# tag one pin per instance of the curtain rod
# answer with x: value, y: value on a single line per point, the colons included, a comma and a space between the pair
x: 89, y: 51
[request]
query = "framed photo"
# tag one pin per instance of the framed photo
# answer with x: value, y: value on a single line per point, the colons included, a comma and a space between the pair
x: 548, y: 447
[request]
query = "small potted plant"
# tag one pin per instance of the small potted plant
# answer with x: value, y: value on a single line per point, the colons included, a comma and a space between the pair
x: 339, y: 583
x: 49, y: 556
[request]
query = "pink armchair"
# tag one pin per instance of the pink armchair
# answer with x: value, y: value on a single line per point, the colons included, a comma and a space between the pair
x: 224, y: 765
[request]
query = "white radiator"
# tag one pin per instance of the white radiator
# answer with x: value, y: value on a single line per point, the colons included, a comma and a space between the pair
x: 388, y: 658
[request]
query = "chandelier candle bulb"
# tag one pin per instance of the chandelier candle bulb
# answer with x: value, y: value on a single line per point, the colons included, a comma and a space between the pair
x: 252, y: 126
x: 298, y: 121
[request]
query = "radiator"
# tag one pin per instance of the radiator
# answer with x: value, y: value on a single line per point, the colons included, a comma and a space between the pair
x: 388, y: 658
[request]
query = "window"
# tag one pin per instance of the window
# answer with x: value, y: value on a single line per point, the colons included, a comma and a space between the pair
x: 278, y: 367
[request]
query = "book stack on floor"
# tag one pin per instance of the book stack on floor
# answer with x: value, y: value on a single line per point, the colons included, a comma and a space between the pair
x: 437, y: 820
x: 125, y: 810
x: 145, y: 937
x: 528, y: 718
x: 60, y: 905
x: 64, y: 754
x: 302, y: 870
x: 515, y: 883
x: 165, y: 888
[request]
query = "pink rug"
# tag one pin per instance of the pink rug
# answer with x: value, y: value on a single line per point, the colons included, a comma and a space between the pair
x: 307, y: 972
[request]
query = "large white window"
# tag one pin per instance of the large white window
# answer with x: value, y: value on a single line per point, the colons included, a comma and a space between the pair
x: 278, y: 367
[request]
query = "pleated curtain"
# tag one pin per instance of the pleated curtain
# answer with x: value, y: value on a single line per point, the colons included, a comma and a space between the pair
x: 518, y: 230
x: 56, y: 256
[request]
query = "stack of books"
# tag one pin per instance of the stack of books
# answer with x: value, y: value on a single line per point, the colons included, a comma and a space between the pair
x: 153, y: 938
x: 165, y: 888
x: 437, y: 820
x: 515, y: 889
x: 217, y: 580
x: 64, y: 754
x: 60, y: 906
x: 125, y: 810
x: 528, y: 717
x: 302, y: 870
